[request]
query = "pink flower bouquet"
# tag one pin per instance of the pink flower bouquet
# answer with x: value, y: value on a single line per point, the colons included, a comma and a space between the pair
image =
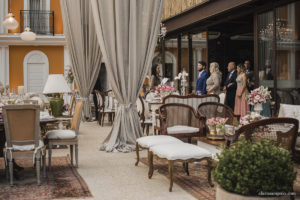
x: 259, y: 95
x: 217, y: 122
x: 165, y: 89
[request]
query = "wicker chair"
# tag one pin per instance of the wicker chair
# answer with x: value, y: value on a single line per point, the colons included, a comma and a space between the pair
x: 180, y: 121
x: 213, y: 109
x: 282, y: 131
x: 22, y: 131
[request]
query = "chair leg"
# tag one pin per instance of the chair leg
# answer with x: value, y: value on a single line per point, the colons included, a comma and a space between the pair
x: 137, y: 150
x: 11, y: 172
x: 147, y: 129
x: 38, y: 168
x: 209, y: 167
x: 150, y: 162
x: 170, y: 162
x: 103, y: 116
x: 71, y: 154
x: 44, y: 164
x: 99, y: 118
x: 76, y: 155
x: 186, y: 168
x: 49, y: 156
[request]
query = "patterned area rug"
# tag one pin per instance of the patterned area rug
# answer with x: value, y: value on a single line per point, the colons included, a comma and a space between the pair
x: 196, y: 183
x: 63, y: 182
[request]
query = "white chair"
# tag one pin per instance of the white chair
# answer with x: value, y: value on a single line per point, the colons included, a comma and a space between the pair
x: 150, y: 141
x: 145, y: 116
x: 222, y: 96
x: 179, y: 152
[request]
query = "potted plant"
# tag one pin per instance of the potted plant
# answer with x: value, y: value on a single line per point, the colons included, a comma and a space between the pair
x: 216, y: 128
x: 254, y: 170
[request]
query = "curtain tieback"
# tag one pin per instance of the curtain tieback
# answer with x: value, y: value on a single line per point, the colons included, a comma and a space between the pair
x: 127, y: 106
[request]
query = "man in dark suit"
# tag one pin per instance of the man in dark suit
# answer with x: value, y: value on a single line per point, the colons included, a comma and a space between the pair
x: 201, y: 78
x: 230, y: 85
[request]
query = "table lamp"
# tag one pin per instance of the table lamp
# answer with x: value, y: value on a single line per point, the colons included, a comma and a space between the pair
x: 56, y: 84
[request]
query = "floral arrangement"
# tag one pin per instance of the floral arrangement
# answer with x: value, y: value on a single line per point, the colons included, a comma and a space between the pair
x: 247, y: 119
x: 70, y: 76
x: 259, y: 95
x: 182, y: 75
x: 216, y: 125
x: 218, y: 121
x: 165, y: 89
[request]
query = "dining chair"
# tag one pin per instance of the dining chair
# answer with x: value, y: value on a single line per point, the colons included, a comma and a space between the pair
x: 22, y: 131
x: 66, y: 137
x: 143, y: 111
x: 107, y: 106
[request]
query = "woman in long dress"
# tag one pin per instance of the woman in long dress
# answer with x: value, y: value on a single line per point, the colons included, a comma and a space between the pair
x: 213, y: 83
x: 241, y: 106
x: 155, y: 77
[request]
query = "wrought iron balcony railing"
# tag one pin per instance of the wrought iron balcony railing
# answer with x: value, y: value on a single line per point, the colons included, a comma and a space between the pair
x: 40, y: 22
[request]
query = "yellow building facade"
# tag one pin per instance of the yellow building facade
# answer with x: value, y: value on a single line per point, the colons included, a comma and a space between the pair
x: 28, y: 63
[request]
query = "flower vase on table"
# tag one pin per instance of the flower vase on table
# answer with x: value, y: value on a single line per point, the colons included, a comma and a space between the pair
x: 258, y: 108
x: 216, y: 128
x: 182, y: 76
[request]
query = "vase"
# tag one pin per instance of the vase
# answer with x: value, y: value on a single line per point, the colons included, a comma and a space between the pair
x: 212, y: 130
x: 258, y: 108
x: 220, y: 131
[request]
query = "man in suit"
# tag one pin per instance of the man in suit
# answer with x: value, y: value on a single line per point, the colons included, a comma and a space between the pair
x: 201, y: 78
x: 230, y: 85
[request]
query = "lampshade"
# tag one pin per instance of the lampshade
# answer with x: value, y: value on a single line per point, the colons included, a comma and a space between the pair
x: 10, y: 22
x: 28, y: 35
x: 56, y: 83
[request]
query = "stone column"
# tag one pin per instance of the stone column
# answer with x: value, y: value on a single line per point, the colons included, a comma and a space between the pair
x: 3, y: 13
x: 4, y: 64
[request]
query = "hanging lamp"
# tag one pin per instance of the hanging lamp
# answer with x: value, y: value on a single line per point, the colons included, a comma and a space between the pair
x: 10, y: 22
x: 28, y: 35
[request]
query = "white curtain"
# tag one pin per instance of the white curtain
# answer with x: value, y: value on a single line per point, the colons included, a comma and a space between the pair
x: 127, y: 32
x: 85, y: 53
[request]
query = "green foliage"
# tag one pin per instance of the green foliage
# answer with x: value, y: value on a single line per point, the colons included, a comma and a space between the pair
x: 252, y: 167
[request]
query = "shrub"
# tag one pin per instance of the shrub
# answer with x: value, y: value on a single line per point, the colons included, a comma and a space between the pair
x: 248, y: 168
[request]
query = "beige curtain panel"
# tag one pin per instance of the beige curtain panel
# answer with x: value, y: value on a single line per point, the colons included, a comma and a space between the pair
x: 85, y: 53
x: 127, y: 32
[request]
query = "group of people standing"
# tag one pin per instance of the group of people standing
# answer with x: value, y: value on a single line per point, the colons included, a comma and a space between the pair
x: 236, y: 85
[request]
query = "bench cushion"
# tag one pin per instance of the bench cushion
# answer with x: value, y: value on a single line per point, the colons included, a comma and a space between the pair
x: 149, y: 141
x: 182, y: 129
x: 61, y: 134
x: 182, y: 151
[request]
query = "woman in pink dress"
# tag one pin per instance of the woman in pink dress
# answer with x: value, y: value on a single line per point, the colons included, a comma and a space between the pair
x: 241, y: 106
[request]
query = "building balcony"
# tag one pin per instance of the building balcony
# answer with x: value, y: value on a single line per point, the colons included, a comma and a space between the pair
x: 40, y: 22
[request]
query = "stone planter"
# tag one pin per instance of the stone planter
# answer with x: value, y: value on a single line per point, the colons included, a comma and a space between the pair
x: 258, y: 108
x: 222, y: 194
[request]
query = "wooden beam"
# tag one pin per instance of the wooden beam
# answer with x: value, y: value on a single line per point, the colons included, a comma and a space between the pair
x: 190, y: 50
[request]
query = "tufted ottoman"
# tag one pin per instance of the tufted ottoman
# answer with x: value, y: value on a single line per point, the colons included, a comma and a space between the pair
x: 149, y: 141
x: 179, y: 152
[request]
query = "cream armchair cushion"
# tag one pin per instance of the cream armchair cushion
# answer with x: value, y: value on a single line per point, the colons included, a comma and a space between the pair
x: 179, y: 151
x: 182, y: 129
x: 149, y: 141
x: 61, y: 134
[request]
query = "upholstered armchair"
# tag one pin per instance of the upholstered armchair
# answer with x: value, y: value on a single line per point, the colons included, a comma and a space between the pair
x: 282, y: 131
x: 180, y: 121
x: 22, y: 131
x: 66, y: 137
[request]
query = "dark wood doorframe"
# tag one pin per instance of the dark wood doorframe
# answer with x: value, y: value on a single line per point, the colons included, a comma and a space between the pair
x: 178, y: 53
x: 190, y: 50
x: 255, y: 63
x: 163, y: 56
